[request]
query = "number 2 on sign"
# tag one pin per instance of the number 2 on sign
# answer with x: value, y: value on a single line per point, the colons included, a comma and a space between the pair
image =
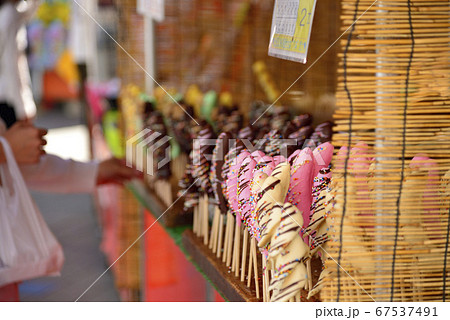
x: 303, y: 14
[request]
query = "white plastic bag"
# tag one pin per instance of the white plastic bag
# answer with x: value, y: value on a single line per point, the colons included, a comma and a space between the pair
x: 28, y: 249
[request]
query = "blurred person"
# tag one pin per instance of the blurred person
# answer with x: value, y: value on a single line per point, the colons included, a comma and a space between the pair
x: 40, y: 171
x: 17, y: 103
x: 51, y: 173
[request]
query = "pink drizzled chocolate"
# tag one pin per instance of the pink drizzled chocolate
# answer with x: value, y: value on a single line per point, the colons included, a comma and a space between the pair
x: 320, y: 183
x: 232, y: 183
x: 300, y: 186
x: 245, y: 177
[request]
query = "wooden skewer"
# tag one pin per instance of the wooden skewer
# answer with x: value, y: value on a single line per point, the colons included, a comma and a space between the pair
x: 264, y: 280
x: 216, y: 233
x: 195, y: 220
x: 244, y: 254
x: 234, y: 264
x: 233, y: 259
x: 201, y: 208
x: 205, y: 220
x: 219, y: 242
x: 227, y: 234
x: 200, y: 217
x: 237, y: 247
x: 255, y: 265
x: 212, y: 236
x: 230, y: 240
x: 233, y: 246
x: 250, y: 266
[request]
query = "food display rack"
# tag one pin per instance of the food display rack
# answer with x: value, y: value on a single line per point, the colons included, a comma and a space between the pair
x: 229, y: 287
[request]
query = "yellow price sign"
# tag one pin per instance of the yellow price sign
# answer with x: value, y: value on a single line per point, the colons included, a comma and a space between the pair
x: 291, y: 29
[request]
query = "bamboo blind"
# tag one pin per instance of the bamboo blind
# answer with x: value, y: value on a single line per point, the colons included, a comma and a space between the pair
x: 215, y: 43
x: 131, y: 38
x: 391, y: 223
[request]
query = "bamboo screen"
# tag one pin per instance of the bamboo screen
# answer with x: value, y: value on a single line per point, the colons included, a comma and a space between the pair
x: 390, y: 224
x: 131, y: 38
x: 215, y: 43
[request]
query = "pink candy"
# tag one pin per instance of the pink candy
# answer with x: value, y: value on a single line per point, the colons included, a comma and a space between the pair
x: 322, y: 157
x: 265, y: 164
x: 257, y: 155
x: 232, y: 181
x: 300, y: 187
x: 278, y: 159
x: 245, y: 178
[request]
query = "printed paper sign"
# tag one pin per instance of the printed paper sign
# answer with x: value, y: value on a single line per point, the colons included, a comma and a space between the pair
x: 291, y: 29
x: 151, y: 8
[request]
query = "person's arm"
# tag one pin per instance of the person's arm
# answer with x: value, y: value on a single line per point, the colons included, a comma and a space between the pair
x: 54, y: 174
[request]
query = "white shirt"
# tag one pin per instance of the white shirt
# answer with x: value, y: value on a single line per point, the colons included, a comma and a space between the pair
x: 15, y: 83
x: 51, y: 174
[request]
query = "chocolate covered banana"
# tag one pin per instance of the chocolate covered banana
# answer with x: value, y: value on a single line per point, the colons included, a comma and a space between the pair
x: 287, y: 255
x: 273, y: 190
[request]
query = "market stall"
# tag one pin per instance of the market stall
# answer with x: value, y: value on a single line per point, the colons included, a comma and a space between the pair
x: 280, y: 181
